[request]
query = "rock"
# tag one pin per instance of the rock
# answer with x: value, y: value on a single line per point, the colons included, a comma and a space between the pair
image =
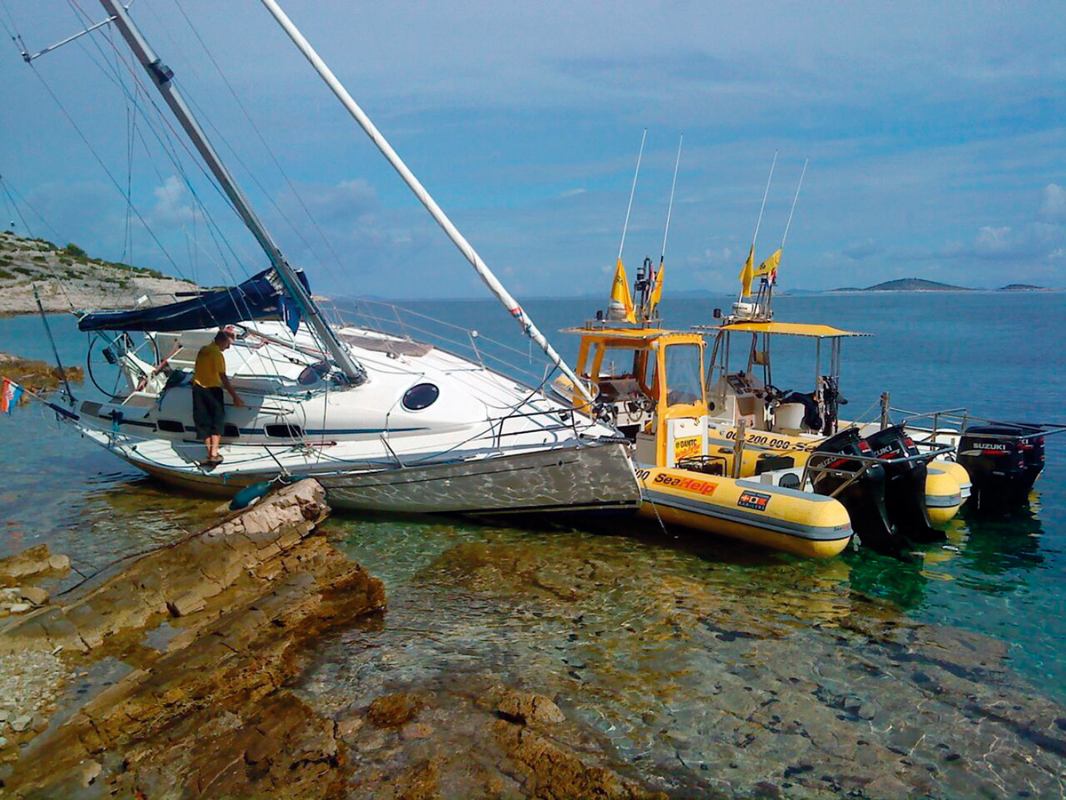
x: 526, y: 707
x: 89, y: 771
x: 3, y: 742
x: 416, y: 730
x: 349, y: 726
x: 21, y: 723
x: 188, y: 603
x: 420, y: 782
x: 209, y: 712
x: 34, y: 594
x: 36, y: 560
x: 19, y: 608
x: 549, y: 770
x: 4, y: 715
x: 393, y: 710
x: 200, y: 568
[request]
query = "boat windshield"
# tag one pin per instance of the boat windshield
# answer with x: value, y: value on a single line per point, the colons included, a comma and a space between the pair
x: 684, y: 374
x: 625, y: 370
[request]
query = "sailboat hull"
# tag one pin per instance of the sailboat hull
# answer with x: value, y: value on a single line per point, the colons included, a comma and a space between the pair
x: 566, y: 480
x: 593, y: 476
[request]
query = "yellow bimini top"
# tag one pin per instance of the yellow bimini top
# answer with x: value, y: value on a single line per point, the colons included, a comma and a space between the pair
x: 631, y: 337
x: 789, y: 329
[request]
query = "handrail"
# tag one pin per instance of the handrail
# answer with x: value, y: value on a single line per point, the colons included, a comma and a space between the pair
x: 866, y: 461
x: 961, y: 417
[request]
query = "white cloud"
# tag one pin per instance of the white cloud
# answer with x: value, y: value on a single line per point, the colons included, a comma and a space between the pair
x: 170, y: 206
x: 1054, y: 205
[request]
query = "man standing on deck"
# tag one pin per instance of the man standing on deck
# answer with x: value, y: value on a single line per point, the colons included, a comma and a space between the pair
x: 208, y: 404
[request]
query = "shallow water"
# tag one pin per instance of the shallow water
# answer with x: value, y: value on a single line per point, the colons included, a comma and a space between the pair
x: 651, y: 638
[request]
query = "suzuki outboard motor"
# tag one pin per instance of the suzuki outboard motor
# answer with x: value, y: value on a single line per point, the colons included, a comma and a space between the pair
x: 864, y: 498
x: 904, y: 484
x: 1004, y: 461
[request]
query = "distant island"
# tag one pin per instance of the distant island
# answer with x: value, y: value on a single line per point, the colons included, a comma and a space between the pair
x: 923, y: 285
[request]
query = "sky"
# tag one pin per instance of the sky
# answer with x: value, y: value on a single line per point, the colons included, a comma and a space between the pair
x: 935, y: 133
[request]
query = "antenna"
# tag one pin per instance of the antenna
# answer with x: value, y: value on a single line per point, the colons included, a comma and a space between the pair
x: 765, y: 194
x: 632, y: 191
x: 794, y: 199
x: 670, y: 207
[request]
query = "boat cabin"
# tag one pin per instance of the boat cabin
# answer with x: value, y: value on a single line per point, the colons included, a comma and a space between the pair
x: 648, y: 382
x: 741, y: 381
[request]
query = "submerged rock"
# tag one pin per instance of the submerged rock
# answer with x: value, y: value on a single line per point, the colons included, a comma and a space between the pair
x: 394, y: 710
x: 31, y: 562
x: 526, y: 707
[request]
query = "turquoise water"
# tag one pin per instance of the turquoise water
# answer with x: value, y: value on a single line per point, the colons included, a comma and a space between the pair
x: 998, y: 354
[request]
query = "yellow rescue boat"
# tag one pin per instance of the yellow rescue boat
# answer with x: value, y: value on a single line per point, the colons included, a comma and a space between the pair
x: 649, y: 382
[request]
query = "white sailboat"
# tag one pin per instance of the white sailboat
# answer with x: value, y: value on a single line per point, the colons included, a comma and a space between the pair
x: 385, y: 422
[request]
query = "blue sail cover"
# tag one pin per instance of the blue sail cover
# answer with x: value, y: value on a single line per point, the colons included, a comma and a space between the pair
x: 259, y: 297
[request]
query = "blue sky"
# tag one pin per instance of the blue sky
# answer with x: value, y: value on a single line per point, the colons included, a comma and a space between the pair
x: 935, y: 134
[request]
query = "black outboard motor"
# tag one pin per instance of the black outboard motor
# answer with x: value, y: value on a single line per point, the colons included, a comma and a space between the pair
x: 864, y: 498
x: 1004, y: 461
x: 904, y: 484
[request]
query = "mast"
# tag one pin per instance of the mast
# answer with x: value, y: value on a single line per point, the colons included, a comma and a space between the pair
x: 162, y: 76
x: 423, y: 195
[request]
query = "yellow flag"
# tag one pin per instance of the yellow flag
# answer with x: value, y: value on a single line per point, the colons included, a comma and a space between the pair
x: 747, y: 273
x: 769, y: 265
x: 656, y: 290
x: 621, y: 306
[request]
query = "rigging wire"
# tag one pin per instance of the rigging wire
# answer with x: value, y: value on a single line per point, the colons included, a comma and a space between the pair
x: 166, y: 142
x: 212, y: 223
x: 269, y: 150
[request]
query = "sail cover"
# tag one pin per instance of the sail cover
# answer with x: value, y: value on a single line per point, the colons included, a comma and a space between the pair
x: 260, y: 297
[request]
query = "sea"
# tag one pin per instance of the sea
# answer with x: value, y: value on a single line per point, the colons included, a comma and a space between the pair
x: 464, y: 595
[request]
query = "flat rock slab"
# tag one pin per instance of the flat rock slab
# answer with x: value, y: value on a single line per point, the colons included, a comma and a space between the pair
x: 205, y: 713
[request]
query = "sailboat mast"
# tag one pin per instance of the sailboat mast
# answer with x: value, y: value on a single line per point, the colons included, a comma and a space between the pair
x: 162, y: 76
x: 423, y: 194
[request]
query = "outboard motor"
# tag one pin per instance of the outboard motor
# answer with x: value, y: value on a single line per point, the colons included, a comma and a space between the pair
x: 864, y: 498
x: 1004, y: 461
x: 904, y: 484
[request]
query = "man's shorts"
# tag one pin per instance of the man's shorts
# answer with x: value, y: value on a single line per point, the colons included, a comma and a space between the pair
x: 208, y: 411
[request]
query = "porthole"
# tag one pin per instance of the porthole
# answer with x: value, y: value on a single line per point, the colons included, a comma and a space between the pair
x: 419, y: 396
x: 171, y: 426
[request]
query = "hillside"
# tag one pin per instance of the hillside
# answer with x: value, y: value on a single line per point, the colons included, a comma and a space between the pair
x: 68, y: 276
x: 1022, y: 287
x: 908, y: 285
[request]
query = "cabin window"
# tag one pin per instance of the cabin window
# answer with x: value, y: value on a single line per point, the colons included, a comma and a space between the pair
x: 170, y: 426
x: 230, y: 431
x: 419, y: 396
x: 284, y: 431
x: 684, y: 378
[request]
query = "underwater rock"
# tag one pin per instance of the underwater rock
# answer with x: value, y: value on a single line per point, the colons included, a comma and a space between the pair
x: 393, y: 710
x: 31, y: 562
x: 706, y: 686
x: 548, y: 770
x: 526, y: 707
x: 34, y: 594
x: 207, y: 715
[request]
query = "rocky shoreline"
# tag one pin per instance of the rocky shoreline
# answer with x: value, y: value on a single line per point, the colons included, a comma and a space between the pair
x: 67, y: 278
x: 174, y: 674
x: 254, y: 658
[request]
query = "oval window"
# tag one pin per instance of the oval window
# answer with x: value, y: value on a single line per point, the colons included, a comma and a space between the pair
x: 419, y: 396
